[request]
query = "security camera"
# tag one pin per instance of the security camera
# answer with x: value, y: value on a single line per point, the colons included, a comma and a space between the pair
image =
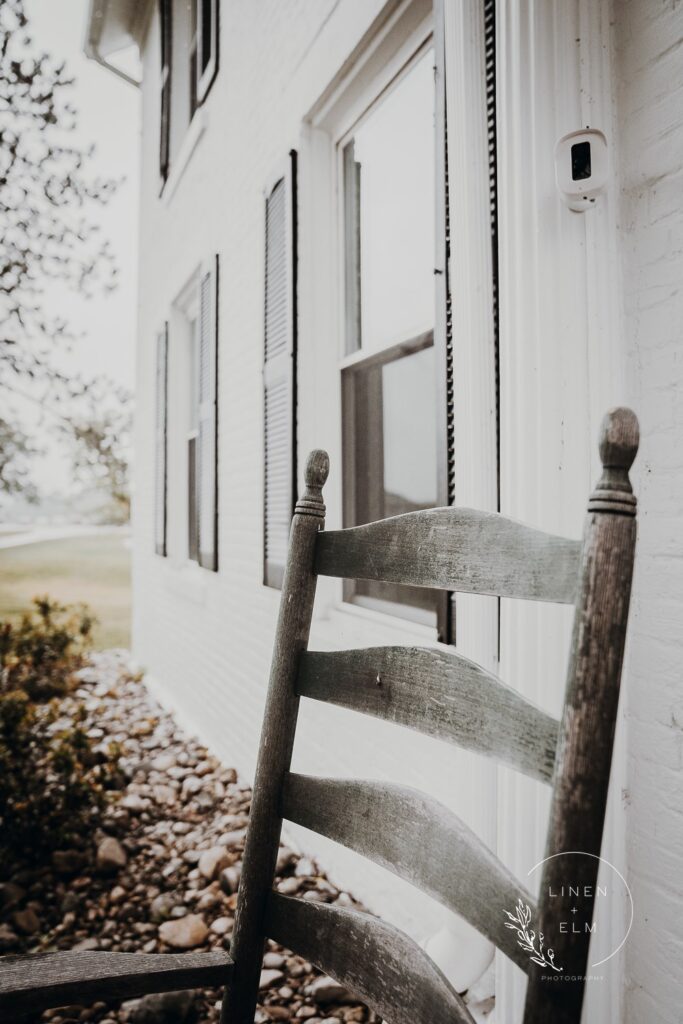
x: 581, y: 168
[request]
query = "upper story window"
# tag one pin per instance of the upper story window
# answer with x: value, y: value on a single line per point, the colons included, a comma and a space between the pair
x: 189, y: 62
x: 389, y: 397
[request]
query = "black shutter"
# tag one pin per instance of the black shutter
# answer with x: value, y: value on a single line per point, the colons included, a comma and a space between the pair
x: 161, y: 443
x: 491, y: 121
x: 279, y: 374
x: 165, y: 85
x: 443, y: 333
x: 207, y: 440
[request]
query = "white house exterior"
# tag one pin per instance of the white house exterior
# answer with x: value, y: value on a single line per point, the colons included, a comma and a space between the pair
x: 311, y: 251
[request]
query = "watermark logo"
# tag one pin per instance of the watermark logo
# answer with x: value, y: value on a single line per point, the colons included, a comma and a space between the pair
x: 580, y: 908
x: 526, y: 937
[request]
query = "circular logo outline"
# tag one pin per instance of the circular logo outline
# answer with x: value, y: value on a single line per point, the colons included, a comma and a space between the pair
x: 582, y: 853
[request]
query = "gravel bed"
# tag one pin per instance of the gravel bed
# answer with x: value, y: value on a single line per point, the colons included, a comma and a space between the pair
x: 161, y: 873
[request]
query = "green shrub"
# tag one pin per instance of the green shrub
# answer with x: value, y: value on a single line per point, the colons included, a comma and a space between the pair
x: 51, y: 792
x: 52, y: 781
x: 40, y: 654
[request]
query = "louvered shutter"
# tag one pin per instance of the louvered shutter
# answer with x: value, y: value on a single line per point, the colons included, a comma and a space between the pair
x: 279, y: 373
x: 443, y: 333
x: 207, y: 439
x: 161, y: 443
x: 491, y: 122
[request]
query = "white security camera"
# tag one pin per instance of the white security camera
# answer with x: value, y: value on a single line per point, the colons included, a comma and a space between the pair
x: 581, y: 168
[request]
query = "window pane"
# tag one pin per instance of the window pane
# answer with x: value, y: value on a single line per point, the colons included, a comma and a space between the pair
x: 389, y: 215
x: 409, y: 430
x: 390, y: 451
x: 207, y: 27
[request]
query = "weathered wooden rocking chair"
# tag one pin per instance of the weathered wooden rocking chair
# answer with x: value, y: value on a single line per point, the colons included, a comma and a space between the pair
x: 435, y: 692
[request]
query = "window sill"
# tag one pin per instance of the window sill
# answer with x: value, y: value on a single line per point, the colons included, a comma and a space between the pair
x: 404, y: 626
x: 188, y: 580
x: 196, y: 129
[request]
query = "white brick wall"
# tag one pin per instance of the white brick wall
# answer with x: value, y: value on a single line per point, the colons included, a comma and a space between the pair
x: 650, y: 67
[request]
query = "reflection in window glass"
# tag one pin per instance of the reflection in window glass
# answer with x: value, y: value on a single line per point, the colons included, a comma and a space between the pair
x: 388, y: 169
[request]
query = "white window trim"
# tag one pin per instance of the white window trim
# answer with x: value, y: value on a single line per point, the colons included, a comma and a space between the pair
x: 183, y: 310
x: 378, y: 85
x: 346, y: 100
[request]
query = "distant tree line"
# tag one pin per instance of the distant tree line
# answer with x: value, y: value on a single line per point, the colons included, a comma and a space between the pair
x: 48, y: 237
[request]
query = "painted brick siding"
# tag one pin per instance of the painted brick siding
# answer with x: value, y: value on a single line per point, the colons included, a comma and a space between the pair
x: 650, y: 64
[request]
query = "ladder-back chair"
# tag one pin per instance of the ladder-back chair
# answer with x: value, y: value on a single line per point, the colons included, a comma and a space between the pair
x: 444, y: 695
x: 436, y: 692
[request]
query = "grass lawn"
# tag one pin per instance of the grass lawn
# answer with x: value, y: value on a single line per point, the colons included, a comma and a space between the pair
x: 91, y: 570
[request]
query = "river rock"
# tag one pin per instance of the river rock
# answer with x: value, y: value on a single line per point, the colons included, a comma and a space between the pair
x: 270, y: 978
x: 325, y: 990
x: 212, y: 862
x: 185, y: 932
x: 164, y: 1008
x: 111, y: 856
x: 26, y: 921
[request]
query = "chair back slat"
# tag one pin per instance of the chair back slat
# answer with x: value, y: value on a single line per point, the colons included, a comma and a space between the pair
x: 458, y: 549
x: 440, y: 693
x: 385, y: 968
x: 418, y: 839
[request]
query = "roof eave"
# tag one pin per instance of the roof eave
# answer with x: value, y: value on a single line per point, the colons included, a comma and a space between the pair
x: 112, y: 25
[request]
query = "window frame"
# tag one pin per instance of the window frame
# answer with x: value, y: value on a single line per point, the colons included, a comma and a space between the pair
x: 377, y: 89
x: 198, y: 81
x: 205, y: 79
x: 352, y: 369
x: 161, y: 440
x: 186, y: 316
x: 414, y: 49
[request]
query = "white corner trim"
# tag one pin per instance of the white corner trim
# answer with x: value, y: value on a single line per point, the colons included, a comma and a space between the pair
x: 195, y: 131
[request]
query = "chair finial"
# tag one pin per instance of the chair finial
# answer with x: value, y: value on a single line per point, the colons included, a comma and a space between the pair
x: 317, y: 467
x: 619, y: 436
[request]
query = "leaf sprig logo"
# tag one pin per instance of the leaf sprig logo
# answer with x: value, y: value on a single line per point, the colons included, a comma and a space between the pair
x: 526, y: 937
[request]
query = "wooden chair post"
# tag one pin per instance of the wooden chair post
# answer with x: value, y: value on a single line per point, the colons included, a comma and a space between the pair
x: 277, y: 739
x: 584, y: 751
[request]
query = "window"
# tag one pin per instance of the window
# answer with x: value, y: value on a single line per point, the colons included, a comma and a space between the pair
x: 161, y: 443
x: 205, y: 46
x: 390, y: 444
x: 389, y: 373
x: 388, y: 167
x: 195, y: 416
x: 193, y: 435
x: 189, y: 62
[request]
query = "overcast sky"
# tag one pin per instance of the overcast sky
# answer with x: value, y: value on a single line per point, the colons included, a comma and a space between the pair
x: 108, y: 116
